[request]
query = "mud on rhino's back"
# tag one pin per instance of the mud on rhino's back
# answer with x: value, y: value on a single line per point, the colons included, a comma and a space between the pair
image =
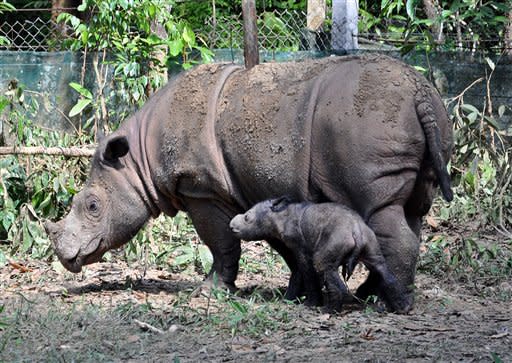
x: 281, y: 123
x: 259, y: 132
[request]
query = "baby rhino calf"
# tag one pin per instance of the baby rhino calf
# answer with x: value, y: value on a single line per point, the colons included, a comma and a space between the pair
x: 328, y: 236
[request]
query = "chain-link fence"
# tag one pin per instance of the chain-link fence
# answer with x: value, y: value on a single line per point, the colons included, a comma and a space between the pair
x: 279, y: 30
x: 284, y: 30
x: 32, y: 30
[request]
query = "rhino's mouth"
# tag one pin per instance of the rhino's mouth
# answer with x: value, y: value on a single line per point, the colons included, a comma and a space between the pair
x: 86, y: 256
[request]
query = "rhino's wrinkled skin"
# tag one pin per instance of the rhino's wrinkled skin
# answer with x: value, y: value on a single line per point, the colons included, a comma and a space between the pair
x: 323, y: 236
x: 368, y: 132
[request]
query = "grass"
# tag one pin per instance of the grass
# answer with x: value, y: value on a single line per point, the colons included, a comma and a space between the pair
x: 80, y: 331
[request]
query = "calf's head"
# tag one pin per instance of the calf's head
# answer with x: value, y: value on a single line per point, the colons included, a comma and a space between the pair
x: 264, y: 220
x: 107, y: 213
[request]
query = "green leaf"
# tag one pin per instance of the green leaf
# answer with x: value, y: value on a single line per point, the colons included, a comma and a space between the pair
x: 470, y: 108
x: 4, y: 102
x: 490, y: 63
x: 501, y: 110
x: 205, y: 257
x: 410, y: 8
x: 189, y: 36
x: 79, y: 107
x: 183, y: 259
x: 472, y: 117
x: 242, y: 309
x: 176, y: 47
x: 82, y: 6
x: 491, y: 121
x: 81, y: 90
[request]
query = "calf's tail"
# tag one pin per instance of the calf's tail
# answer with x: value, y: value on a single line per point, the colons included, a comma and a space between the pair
x: 427, y: 117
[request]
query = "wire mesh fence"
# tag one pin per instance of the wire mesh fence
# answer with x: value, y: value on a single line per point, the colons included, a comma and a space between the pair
x: 32, y: 30
x: 279, y: 30
x: 37, y: 30
x: 283, y: 30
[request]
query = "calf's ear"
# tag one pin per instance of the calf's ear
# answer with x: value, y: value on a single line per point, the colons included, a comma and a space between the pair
x: 280, y: 204
x: 116, y: 148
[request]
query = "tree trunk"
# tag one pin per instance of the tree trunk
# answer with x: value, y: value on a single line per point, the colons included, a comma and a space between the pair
x: 508, y: 35
x: 431, y: 8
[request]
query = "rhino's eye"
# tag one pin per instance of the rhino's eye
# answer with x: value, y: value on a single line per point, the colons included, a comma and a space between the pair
x: 93, y: 206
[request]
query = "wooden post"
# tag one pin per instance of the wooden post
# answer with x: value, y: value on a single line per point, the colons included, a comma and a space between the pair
x: 316, y: 14
x: 251, y: 53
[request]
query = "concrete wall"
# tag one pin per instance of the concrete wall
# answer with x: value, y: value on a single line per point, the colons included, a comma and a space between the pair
x: 46, y: 76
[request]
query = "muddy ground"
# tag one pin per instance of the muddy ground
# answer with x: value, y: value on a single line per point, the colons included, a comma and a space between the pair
x: 114, y: 312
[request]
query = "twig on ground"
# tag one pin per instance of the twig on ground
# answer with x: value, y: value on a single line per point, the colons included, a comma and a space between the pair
x: 146, y: 326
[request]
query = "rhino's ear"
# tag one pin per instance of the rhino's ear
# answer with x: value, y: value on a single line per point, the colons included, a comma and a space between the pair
x: 116, y: 148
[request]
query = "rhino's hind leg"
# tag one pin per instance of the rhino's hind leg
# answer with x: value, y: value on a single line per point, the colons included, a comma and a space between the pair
x: 400, y: 247
x: 392, y: 291
x: 212, y: 225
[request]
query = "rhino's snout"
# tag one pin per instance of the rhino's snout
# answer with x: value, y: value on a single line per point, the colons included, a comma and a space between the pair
x: 234, y: 224
x: 69, y: 257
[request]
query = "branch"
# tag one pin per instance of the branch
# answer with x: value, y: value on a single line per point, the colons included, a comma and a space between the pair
x: 41, y: 150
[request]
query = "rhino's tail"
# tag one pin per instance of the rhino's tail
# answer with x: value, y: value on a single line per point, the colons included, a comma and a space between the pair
x: 427, y: 117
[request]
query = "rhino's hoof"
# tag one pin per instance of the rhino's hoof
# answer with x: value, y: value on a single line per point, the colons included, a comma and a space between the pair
x: 207, y: 287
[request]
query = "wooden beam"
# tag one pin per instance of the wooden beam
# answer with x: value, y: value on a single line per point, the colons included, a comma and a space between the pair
x: 40, y: 150
x: 251, y: 53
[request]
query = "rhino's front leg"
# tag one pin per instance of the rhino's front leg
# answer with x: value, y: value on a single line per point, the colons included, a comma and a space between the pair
x: 400, y: 247
x: 212, y: 225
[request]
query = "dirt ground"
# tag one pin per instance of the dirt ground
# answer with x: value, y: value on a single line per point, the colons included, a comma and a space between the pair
x: 113, y: 312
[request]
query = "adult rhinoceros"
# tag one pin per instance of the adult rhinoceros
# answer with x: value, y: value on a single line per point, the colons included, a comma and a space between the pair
x: 366, y: 131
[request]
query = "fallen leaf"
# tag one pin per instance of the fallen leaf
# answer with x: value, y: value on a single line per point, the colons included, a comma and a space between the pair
x: 368, y: 335
x: 431, y: 221
x: 140, y: 295
x: 58, y: 267
x: 133, y: 338
x: 18, y: 266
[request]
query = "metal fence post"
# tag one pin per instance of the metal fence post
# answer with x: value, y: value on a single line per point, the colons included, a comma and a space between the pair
x: 344, y: 25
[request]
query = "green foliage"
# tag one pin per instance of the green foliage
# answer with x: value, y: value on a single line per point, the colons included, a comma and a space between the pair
x: 132, y: 42
x: 469, y: 24
x: 481, y: 177
x: 467, y: 258
x: 5, y: 6
x: 31, y: 189
x: 481, y: 163
x: 197, y: 13
x: 252, y: 316
x: 171, y: 243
